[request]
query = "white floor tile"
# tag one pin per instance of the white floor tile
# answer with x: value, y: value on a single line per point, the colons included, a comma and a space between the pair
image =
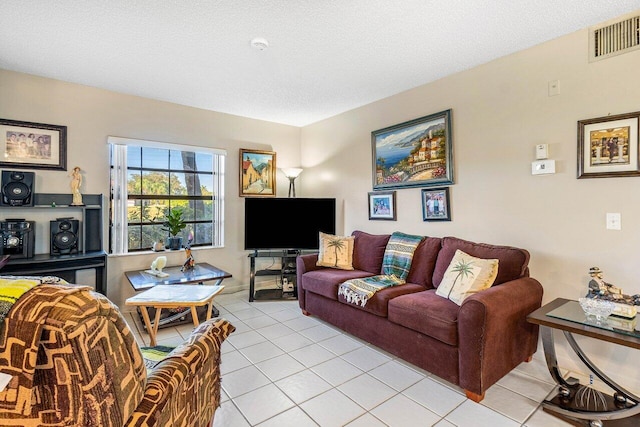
x: 366, y: 420
x: 367, y: 391
x: 434, y: 396
x: 336, y: 371
x: 289, y: 314
x: 526, y: 385
x: 293, y: 417
x: 319, y: 333
x: 542, y: 418
x: 366, y: 358
x: 275, y: 331
x: 260, y: 321
x: 303, y: 386
x: 444, y: 423
x: 396, y: 375
x: 312, y: 355
x: 243, y: 381
x: 301, y: 323
x: 280, y: 367
x: 228, y: 415
x: 472, y: 414
x: 400, y: 411
x: 263, y: 403
x: 248, y: 313
x: 332, y: 409
x: 509, y: 403
x: 245, y: 339
x: 340, y: 344
x: 262, y: 351
x: 232, y: 361
x: 537, y: 368
x: 291, y: 342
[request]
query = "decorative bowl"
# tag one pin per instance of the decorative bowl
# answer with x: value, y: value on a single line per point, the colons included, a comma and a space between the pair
x: 599, y: 308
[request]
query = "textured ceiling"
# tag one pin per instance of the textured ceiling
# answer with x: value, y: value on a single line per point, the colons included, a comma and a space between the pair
x: 325, y: 56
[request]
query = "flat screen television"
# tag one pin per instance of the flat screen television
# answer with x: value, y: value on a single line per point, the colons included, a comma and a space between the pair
x: 287, y: 223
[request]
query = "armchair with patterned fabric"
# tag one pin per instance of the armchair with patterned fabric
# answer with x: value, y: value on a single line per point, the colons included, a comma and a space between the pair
x: 73, y: 361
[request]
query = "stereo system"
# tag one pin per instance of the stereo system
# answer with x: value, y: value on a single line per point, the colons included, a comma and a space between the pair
x: 17, y: 188
x: 18, y: 238
x: 64, y: 236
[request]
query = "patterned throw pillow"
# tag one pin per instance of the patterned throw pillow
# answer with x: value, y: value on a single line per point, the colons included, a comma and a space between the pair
x: 467, y: 275
x: 335, y: 251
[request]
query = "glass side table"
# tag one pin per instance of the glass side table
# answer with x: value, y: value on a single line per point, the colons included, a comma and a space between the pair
x: 579, y: 404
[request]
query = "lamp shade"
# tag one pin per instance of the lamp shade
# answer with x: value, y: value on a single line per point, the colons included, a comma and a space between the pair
x: 291, y: 172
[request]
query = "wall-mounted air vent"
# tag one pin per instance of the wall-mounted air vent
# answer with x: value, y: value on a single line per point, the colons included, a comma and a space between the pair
x: 614, y: 38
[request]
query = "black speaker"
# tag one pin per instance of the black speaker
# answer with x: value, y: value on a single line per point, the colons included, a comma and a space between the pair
x: 64, y: 236
x: 17, y: 238
x: 17, y: 188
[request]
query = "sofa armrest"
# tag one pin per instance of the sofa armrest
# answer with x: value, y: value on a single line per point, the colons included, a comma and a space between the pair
x: 184, y: 388
x: 304, y: 263
x: 493, y: 332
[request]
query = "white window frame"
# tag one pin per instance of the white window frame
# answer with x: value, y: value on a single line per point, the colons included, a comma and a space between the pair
x: 119, y: 197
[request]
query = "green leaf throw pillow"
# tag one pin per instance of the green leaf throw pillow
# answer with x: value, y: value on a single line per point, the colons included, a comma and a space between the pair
x: 467, y: 275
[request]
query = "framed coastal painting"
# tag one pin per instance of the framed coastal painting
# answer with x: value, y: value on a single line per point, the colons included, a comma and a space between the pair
x: 382, y: 205
x: 435, y: 204
x: 32, y: 145
x: 417, y: 153
x: 608, y: 146
x: 257, y: 173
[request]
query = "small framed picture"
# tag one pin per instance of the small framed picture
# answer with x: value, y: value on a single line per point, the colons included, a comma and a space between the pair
x: 608, y: 146
x: 32, y: 145
x: 435, y: 204
x: 257, y: 173
x: 382, y: 205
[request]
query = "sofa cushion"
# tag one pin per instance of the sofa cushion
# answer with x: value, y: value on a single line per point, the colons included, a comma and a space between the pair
x: 368, y: 251
x: 325, y: 281
x: 335, y: 251
x: 427, y: 313
x: 467, y: 275
x: 424, y: 262
x: 513, y: 261
x: 378, y: 304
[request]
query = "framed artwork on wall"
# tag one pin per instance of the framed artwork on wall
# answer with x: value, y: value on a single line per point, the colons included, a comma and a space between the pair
x: 417, y: 153
x: 32, y: 145
x: 382, y: 205
x: 257, y: 173
x: 608, y: 146
x: 436, y: 205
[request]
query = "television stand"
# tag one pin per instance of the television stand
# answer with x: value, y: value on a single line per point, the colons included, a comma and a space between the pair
x: 284, y: 274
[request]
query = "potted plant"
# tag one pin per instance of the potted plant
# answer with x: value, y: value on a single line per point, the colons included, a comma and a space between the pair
x: 174, y: 225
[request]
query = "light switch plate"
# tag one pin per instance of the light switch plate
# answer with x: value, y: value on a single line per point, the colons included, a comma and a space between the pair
x: 542, y: 151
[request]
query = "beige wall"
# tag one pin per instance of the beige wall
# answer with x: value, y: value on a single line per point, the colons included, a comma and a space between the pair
x: 500, y: 111
x: 91, y: 115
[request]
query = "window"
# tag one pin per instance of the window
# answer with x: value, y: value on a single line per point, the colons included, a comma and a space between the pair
x: 148, y: 179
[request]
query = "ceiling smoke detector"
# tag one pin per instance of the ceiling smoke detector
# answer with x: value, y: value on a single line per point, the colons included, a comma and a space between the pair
x: 259, y: 43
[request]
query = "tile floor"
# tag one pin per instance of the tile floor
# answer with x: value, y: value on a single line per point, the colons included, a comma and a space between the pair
x: 281, y: 368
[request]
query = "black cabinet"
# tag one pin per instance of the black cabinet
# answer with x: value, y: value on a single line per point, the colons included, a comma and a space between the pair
x: 89, y: 253
x: 282, y: 270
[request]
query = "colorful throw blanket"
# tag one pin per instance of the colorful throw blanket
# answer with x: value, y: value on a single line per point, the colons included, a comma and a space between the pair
x: 396, y: 264
x: 13, y: 287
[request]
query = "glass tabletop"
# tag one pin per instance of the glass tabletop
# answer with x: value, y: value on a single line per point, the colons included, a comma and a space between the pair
x: 572, y: 312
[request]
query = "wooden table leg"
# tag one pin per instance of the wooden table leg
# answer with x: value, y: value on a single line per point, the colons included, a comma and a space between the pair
x: 194, y: 315
x: 209, y: 309
x: 147, y: 324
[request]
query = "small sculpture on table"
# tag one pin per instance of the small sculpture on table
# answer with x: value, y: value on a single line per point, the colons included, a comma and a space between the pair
x: 190, y: 262
x: 76, y: 182
x: 157, y: 265
x: 599, y: 289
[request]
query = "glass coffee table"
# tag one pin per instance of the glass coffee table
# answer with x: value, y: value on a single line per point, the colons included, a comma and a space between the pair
x: 201, y: 273
x: 578, y: 404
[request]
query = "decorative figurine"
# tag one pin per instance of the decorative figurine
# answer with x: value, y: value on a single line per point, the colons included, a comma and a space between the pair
x: 190, y: 262
x: 157, y: 265
x: 158, y: 246
x: 599, y: 289
x: 76, y: 182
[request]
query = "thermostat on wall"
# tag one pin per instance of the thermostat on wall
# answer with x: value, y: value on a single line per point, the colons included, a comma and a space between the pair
x: 541, y: 167
x: 542, y: 151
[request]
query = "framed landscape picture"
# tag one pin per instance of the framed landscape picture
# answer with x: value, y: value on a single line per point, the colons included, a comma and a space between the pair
x: 257, y: 173
x: 608, y: 146
x: 417, y: 153
x: 435, y: 204
x: 32, y: 145
x: 382, y: 205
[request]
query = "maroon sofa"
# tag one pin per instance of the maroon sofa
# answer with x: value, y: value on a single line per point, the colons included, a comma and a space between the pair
x: 472, y: 345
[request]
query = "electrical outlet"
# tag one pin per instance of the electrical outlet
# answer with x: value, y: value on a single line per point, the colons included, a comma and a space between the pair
x: 614, y: 222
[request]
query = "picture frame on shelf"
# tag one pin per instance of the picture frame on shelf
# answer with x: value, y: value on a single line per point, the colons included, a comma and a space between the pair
x: 27, y: 145
x: 608, y: 146
x: 417, y: 153
x: 436, y: 205
x: 257, y: 173
x: 382, y: 205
